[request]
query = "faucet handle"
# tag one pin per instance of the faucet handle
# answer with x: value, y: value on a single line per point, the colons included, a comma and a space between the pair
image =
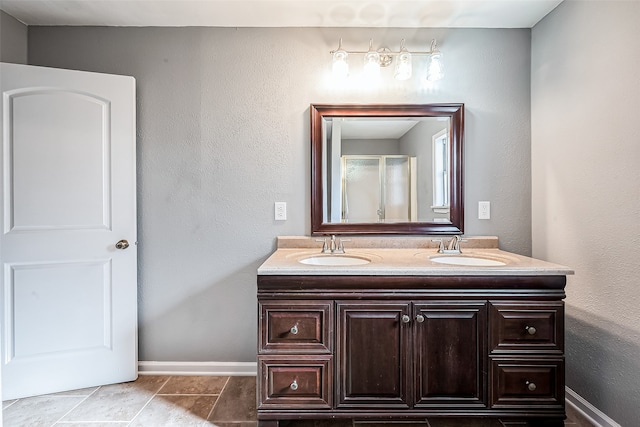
x: 340, y: 248
x: 325, y: 248
x: 440, y: 245
x: 456, y: 242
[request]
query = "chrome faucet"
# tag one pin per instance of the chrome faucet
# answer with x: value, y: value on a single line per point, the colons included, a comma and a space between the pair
x: 454, y: 244
x: 333, y: 246
x: 451, y: 247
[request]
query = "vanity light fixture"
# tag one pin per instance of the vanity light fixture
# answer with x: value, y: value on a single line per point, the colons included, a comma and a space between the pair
x: 435, y: 66
x: 340, y: 65
x: 383, y: 57
x: 403, y: 63
x: 371, y: 63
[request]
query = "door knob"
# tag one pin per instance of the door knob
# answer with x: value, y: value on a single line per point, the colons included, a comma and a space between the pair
x: 122, y: 244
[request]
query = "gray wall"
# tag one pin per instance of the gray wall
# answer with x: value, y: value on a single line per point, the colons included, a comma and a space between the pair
x: 413, y: 144
x: 13, y: 39
x: 370, y: 146
x: 586, y: 190
x: 223, y: 132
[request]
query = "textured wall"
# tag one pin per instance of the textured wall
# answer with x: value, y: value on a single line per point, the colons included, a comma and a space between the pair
x: 586, y: 190
x: 223, y: 132
x: 13, y: 39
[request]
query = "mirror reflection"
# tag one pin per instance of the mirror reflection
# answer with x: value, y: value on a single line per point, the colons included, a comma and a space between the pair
x: 387, y: 168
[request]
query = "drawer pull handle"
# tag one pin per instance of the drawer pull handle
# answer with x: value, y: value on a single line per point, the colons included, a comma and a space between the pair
x: 294, y: 385
x: 294, y: 329
x: 419, y: 318
x: 531, y: 386
x: 405, y: 318
x: 531, y: 330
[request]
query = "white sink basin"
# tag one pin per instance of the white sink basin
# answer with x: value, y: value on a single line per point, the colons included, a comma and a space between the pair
x: 334, y: 260
x: 467, y: 260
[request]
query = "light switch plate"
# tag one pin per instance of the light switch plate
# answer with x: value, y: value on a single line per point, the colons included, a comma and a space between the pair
x: 484, y: 210
x: 280, y: 211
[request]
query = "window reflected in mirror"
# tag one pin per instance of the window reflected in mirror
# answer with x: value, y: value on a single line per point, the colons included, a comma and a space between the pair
x: 440, y: 143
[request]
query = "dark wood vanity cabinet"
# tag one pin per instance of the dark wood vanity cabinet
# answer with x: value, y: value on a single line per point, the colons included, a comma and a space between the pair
x: 410, y: 355
x: 376, y: 347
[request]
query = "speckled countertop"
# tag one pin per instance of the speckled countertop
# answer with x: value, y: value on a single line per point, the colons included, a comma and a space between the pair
x: 403, y: 255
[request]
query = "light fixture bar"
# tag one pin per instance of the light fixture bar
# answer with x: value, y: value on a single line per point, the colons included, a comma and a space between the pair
x: 374, y: 59
x: 382, y: 52
x: 386, y: 51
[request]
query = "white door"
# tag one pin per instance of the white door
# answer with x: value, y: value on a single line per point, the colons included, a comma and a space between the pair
x: 69, y: 295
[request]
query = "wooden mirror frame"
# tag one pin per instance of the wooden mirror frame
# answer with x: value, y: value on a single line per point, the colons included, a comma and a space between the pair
x: 456, y: 206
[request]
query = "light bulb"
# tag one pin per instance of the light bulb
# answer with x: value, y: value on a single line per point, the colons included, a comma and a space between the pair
x: 403, y: 66
x: 371, y: 65
x: 340, y: 65
x: 435, y: 66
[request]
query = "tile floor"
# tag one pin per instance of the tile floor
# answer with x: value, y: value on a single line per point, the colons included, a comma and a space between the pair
x: 174, y: 401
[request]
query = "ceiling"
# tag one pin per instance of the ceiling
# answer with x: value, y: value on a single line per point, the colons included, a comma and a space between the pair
x: 283, y: 13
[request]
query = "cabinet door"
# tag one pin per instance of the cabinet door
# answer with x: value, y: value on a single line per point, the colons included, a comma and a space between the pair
x: 373, y: 354
x: 450, y: 354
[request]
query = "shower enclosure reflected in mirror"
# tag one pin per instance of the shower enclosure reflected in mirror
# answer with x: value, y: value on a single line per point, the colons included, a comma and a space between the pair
x: 387, y: 169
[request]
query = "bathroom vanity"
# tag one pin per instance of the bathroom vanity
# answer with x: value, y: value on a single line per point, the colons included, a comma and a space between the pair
x: 406, y: 334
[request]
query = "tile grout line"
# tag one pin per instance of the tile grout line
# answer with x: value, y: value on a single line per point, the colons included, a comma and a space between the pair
x: 186, y: 394
x: 84, y: 423
x: 216, y: 402
x: 11, y: 404
x: 149, y: 401
x: 75, y: 406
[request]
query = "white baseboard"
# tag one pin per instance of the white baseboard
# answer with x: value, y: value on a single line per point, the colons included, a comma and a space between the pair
x: 197, y: 368
x: 587, y: 410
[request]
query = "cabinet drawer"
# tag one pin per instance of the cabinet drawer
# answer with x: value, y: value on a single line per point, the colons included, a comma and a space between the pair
x: 536, y: 327
x: 527, y: 382
x: 295, y: 382
x: 295, y: 326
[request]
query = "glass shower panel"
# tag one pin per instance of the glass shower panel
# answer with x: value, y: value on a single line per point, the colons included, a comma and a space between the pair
x: 361, y: 195
x: 397, y: 207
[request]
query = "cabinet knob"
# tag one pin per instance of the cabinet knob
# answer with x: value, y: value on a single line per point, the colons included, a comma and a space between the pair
x: 531, y: 386
x: 405, y: 318
x: 531, y: 330
x: 294, y: 385
x: 419, y: 318
x: 294, y: 329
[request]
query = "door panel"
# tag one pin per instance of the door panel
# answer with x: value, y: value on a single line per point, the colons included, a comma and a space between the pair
x: 69, y: 311
x: 450, y: 353
x: 44, y: 128
x: 34, y: 289
x: 373, y: 354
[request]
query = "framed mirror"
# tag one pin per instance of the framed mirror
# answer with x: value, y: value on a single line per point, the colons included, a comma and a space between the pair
x: 387, y: 169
